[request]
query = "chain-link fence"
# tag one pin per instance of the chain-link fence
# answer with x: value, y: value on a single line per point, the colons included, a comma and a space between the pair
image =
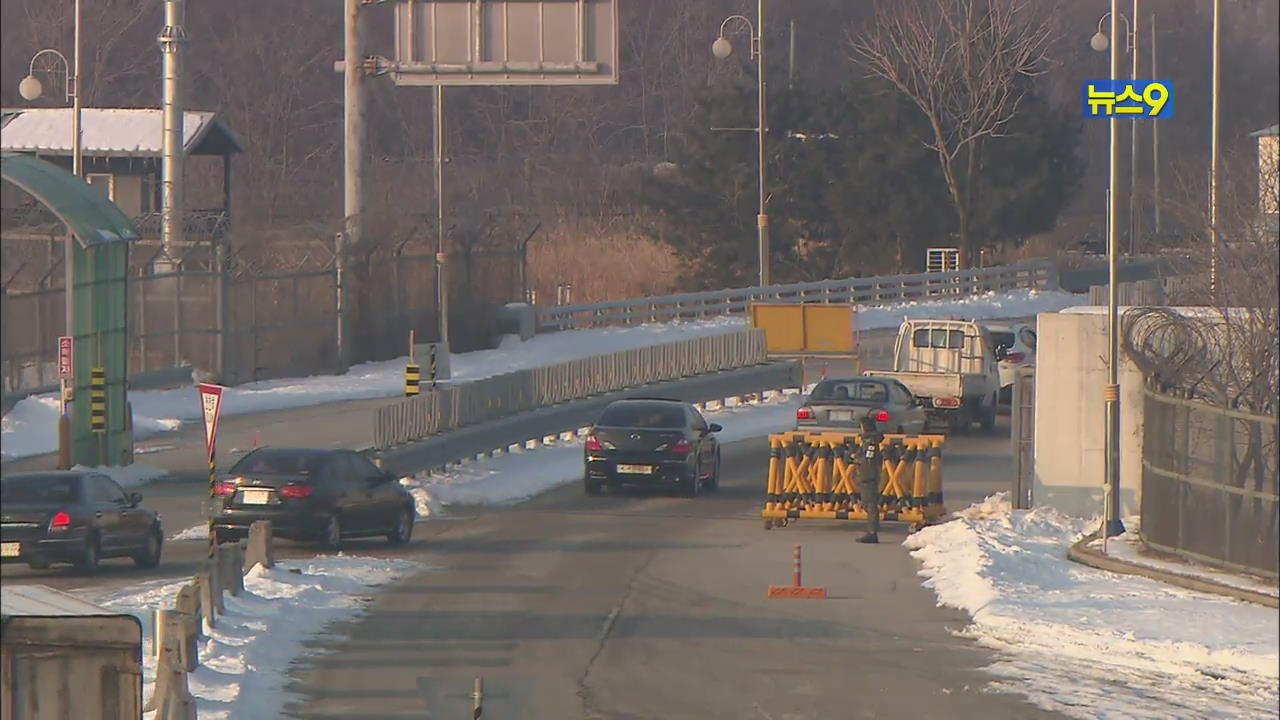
x: 1209, y: 484
x: 237, y: 318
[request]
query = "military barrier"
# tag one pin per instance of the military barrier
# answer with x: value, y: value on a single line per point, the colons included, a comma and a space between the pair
x: 815, y: 476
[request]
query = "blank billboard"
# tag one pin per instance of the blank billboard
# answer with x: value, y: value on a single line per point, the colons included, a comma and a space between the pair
x: 506, y: 42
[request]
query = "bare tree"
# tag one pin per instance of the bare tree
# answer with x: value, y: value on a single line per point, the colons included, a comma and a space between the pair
x: 963, y: 63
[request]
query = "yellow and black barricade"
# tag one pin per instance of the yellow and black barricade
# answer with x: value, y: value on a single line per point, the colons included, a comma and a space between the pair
x: 412, y: 376
x: 815, y: 476
x: 98, y: 399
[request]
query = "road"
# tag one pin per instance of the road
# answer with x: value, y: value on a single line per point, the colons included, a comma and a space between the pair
x: 638, y: 606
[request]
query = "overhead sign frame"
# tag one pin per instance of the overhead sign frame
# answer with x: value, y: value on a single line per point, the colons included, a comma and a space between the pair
x: 506, y: 42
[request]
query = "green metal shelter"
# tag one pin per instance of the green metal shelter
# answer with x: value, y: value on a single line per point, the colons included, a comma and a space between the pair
x: 101, y: 266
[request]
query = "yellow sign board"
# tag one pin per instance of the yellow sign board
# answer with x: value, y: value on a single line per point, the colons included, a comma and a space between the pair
x: 807, y: 328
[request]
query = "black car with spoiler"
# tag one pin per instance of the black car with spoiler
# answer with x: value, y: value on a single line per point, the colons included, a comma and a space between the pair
x: 652, y: 441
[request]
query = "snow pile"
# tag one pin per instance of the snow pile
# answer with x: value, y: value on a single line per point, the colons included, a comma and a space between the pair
x: 1088, y: 643
x: 128, y: 475
x: 245, y: 660
x: 30, y: 428
x: 512, y: 477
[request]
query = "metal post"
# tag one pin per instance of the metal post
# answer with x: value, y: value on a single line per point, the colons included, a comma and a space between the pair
x: 1133, y: 148
x: 762, y: 219
x: 791, y: 58
x: 353, y: 147
x: 1155, y: 136
x: 172, y: 36
x: 69, y: 251
x: 1111, y: 393
x: 795, y: 569
x: 442, y: 252
x: 1213, y: 154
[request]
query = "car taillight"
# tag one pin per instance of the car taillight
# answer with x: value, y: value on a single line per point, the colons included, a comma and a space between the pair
x: 880, y: 416
x: 60, y: 522
x: 593, y: 444
x: 223, y: 489
x: 1014, y: 357
x: 683, y: 447
x: 804, y: 413
x: 296, y: 492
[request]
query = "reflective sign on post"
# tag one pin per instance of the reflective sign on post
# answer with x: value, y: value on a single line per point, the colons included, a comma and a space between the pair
x: 66, y: 358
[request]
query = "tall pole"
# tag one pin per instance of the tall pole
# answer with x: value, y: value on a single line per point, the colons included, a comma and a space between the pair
x: 172, y: 37
x: 762, y: 219
x: 442, y: 253
x: 1111, y: 393
x: 1213, y: 154
x: 1155, y: 136
x: 69, y: 251
x: 353, y: 166
x: 1134, y: 220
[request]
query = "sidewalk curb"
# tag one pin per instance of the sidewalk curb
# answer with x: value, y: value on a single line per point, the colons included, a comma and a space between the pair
x: 1080, y: 552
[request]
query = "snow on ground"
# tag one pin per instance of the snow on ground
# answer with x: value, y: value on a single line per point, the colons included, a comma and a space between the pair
x: 129, y: 475
x: 1128, y: 547
x: 1093, y: 644
x: 30, y: 428
x: 245, y: 660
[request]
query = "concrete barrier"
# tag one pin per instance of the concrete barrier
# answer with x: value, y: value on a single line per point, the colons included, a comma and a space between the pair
x: 259, y: 550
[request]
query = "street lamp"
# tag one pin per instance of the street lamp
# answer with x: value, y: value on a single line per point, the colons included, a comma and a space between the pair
x: 30, y: 89
x: 1100, y: 42
x: 1111, y: 392
x: 722, y: 49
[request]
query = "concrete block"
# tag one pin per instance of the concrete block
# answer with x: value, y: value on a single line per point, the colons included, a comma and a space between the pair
x: 259, y: 550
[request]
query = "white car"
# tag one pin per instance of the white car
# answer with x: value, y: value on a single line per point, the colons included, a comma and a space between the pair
x: 1015, y: 347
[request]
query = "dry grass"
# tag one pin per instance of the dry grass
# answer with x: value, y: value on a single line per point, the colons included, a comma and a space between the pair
x: 601, y: 262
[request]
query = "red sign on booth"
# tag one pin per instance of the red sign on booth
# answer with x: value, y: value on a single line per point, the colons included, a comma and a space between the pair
x: 66, y: 359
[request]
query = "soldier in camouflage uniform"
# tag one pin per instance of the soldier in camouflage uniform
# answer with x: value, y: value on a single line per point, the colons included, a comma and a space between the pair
x: 869, y: 477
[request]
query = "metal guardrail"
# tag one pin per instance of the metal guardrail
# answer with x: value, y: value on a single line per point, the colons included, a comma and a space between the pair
x: 896, y: 288
x: 455, y: 406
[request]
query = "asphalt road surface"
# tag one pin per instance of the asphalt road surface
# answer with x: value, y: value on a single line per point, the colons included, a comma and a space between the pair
x: 640, y: 605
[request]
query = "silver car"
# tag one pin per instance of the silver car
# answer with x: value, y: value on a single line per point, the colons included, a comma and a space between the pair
x: 839, y: 405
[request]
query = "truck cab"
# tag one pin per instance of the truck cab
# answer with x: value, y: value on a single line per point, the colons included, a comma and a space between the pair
x: 951, y: 368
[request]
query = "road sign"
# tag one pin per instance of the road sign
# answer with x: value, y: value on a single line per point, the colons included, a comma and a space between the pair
x: 211, y: 403
x: 506, y: 42
x: 66, y: 358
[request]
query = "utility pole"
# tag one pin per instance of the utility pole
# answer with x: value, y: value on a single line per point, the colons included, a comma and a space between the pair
x: 353, y: 168
x: 1111, y: 392
x: 172, y: 38
x: 1155, y: 136
x: 762, y: 220
x: 1213, y: 153
x: 442, y: 253
x: 1134, y: 220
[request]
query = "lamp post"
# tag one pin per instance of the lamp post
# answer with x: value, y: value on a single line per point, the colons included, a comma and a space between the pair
x: 722, y: 48
x: 1101, y: 42
x: 30, y: 89
x: 1213, y: 155
x: 1111, y: 391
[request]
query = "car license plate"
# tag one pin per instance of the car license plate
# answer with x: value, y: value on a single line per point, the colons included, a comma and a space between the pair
x: 636, y: 469
x: 256, y: 497
x: 841, y: 415
x: 10, y: 549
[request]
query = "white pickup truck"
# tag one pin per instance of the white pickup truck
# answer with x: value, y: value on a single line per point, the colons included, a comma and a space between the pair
x: 950, y: 367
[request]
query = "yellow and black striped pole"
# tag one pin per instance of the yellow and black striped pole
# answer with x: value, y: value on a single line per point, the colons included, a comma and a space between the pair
x: 412, y: 377
x: 213, y: 487
x: 432, y: 357
x: 98, y: 400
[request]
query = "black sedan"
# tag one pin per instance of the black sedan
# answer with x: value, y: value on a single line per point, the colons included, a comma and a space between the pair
x: 312, y: 495
x: 652, y: 442
x: 77, y: 517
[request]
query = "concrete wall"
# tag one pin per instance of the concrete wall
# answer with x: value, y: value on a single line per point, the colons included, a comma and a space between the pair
x: 1070, y: 420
